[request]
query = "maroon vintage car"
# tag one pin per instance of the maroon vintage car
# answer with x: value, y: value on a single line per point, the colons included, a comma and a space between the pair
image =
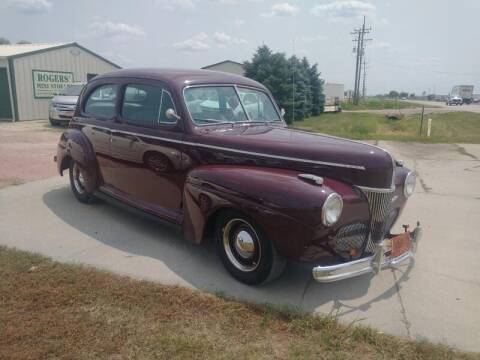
x: 210, y: 153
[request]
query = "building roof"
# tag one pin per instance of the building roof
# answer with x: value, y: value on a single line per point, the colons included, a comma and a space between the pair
x: 184, y: 77
x: 222, y: 62
x: 19, y: 50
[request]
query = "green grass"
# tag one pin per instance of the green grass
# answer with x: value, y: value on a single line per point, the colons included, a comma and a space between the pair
x: 458, y: 127
x: 379, y: 104
x: 50, y: 310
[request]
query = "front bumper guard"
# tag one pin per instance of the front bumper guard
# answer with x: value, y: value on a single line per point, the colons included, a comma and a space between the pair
x: 371, y: 264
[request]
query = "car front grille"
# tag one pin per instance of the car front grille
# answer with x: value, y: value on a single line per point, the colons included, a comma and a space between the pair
x: 380, y: 205
x: 65, y: 107
x: 361, y: 237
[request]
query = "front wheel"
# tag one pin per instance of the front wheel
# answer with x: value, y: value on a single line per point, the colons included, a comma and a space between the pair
x: 77, y: 183
x: 245, y: 251
x: 54, y: 122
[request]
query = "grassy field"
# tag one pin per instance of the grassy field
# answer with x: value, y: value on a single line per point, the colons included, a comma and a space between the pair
x: 379, y: 104
x: 52, y: 310
x: 463, y: 127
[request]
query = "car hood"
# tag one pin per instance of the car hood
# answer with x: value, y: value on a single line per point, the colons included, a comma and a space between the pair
x: 351, y: 161
x: 62, y: 99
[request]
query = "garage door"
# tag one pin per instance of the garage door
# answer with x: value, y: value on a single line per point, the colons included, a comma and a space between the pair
x: 5, y: 105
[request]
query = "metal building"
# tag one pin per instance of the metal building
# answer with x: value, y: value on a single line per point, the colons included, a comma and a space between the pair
x: 227, y: 66
x: 30, y: 75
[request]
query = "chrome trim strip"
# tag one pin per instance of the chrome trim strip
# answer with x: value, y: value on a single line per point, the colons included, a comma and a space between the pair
x: 348, y: 166
x: 379, y: 190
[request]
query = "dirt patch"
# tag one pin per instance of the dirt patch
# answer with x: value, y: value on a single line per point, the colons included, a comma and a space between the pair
x: 27, y: 150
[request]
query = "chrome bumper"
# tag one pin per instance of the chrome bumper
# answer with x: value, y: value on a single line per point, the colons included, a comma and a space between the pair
x: 371, y: 264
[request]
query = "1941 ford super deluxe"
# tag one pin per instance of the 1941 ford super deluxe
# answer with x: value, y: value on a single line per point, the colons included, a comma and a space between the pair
x: 210, y: 153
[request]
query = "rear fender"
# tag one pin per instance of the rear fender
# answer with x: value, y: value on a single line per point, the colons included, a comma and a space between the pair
x: 287, y: 208
x: 75, y: 146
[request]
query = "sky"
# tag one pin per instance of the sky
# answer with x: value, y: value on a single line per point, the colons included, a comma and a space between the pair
x: 423, y: 45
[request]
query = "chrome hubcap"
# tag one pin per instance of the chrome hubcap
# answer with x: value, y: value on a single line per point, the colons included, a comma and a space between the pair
x: 78, y: 179
x: 244, y: 244
x: 241, y: 244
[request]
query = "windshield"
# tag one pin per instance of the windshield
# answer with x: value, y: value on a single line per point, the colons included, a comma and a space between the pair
x: 71, y: 90
x: 223, y: 104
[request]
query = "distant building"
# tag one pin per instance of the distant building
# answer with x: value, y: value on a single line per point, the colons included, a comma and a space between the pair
x: 334, y: 93
x: 31, y: 74
x: 227, y: 66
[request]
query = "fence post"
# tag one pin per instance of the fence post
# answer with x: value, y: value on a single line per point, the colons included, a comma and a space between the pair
x: 429, y: 127
x: 421, y: 123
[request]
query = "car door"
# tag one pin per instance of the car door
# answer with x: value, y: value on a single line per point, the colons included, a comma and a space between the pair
x: 98, y: 109
x: 146, y: 150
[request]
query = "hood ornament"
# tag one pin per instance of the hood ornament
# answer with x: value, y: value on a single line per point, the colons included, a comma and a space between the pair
x: 317, y: 180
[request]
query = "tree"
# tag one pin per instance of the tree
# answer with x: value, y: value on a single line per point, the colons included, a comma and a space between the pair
x: 403, y: 94
x: 286, y: 77
x: 393, y: 94
x: 4, y: 41
x: 412, y: 95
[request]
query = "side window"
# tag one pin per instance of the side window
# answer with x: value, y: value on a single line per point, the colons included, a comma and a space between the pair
x: 101, y: 101
x: 146, y: 104
x: 167, y: 103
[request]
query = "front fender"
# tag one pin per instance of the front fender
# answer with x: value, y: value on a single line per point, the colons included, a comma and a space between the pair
x: 286, y: 207
x: 74, y: 145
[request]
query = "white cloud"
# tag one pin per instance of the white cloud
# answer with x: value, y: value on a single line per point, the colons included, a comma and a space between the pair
x: 344, y: 9
x: 239, y: 22
x: 380, y: 45
x: 310, y: 39
x: 223, y: 39
x: 30, y: 6
x: 109, y: 28
x: 197, y: 42
x: 171, y: 5
x: 282, y: 9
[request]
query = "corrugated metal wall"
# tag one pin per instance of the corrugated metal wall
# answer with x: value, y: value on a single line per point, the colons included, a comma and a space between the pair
x: 78, y: 61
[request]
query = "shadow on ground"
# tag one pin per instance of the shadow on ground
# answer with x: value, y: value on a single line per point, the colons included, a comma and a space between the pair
x: 199, y: 265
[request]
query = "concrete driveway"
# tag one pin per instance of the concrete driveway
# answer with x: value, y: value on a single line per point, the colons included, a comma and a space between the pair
x: 436, y: 296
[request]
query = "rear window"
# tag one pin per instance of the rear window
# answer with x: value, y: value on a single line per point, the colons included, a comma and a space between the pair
x: 101, y: 102
x: 71, y: 90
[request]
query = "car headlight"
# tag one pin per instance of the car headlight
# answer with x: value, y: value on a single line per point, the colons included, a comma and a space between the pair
x: 332, y: 209
x: 409, y: 185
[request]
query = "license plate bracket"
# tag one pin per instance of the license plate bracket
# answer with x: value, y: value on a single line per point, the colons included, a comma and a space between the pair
x: 401, y: 244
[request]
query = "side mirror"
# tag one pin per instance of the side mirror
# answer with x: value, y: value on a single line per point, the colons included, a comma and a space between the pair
x: 282, y: 112
x: 171, y: 114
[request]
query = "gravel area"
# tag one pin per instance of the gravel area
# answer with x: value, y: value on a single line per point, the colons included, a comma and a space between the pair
x: 27, y: 149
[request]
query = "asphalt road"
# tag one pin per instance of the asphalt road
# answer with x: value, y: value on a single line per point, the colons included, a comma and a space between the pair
x: 441, y: 106
x: 431, y: 107
x: 436, y: 296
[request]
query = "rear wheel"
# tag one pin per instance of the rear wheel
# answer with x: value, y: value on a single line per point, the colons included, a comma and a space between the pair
x: 77, y: 183
x: 245, y: 251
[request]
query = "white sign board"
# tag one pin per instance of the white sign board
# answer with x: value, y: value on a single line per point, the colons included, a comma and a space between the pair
x: 48, y: 83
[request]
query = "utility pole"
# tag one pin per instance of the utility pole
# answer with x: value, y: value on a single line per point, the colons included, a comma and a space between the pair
x: 359, y: 38
x: 364, y: 76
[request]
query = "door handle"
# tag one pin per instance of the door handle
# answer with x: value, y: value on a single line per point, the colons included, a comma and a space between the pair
x: 130, y: 137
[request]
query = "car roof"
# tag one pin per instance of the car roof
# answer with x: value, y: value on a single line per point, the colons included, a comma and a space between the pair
x: 183, y: 77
